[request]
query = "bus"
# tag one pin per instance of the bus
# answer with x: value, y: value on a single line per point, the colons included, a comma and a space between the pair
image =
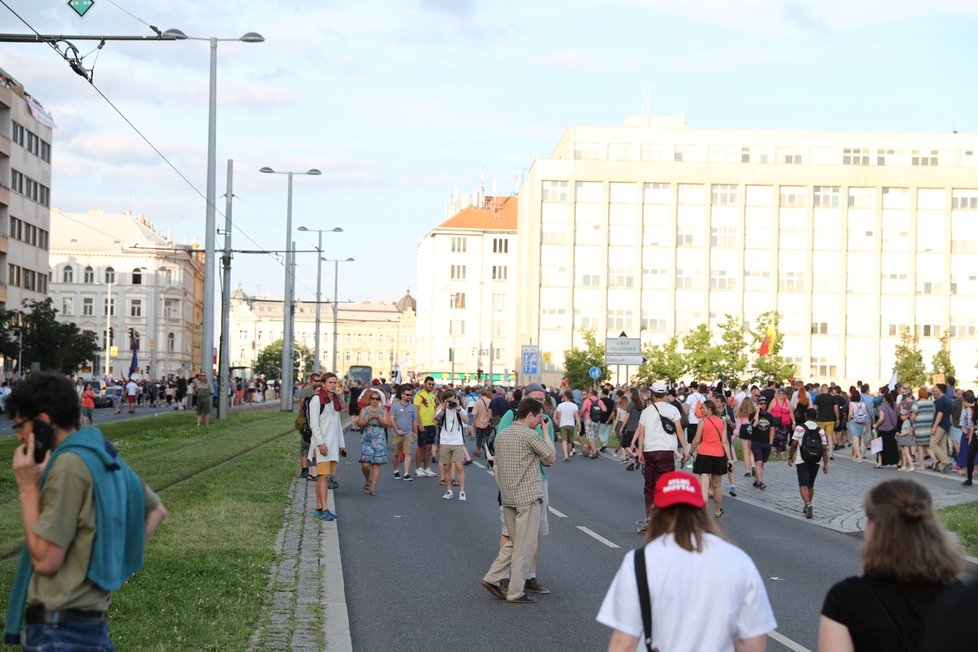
x: 362, y: 373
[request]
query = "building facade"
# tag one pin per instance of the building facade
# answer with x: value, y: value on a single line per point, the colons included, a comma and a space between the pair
x: 379, y: 335
x: 466, y: 282
x: 653, y: 228
x: 118, y: 271
x: 25, y: 195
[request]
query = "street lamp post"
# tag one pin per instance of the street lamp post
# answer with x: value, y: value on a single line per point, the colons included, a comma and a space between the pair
x: 288, y: 303
x: 319, y: 284
x: 336, y: 291
x: 207, y: 339
x: 108, y: 324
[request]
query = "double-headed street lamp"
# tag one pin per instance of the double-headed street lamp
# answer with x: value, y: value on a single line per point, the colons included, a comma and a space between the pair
x: 210, y: 227
x: 288, y: 373
x: 319, y: 283
x: 336, y: 290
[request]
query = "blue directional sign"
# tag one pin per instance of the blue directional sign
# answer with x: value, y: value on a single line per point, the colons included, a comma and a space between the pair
x: 594, y: 373
x: 530, y: 360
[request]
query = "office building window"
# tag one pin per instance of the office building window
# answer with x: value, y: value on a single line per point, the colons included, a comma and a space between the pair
x: 68, y: 274
x: 589, y: 279
x: 684, y: 280
x: 653, y: 322
x: 719, y: 280
x: 657, y: 193
x: 692, y: 194
x: 928, y: 285
x: 88, y: 307
x: 500, y: 272
x: 684, y: 238
x: 585, y: 320
x: 456, y: 327
x: 789, y: 156
x: 137, y: 276
x: 459, y: 244
x: 109, y: 307
x: 723, y: 237
x: 820, y: 328
x: 862, y: 197
x: 827, y: 197
x: 554, y: 191
x: 457, y: 300
x: 656, y: 278
x: 886, y: 156
x: 620, y: 320
x: 855, y: 156
x: 791, y: 281
x: 67, y: 306
x: 136, y: 308
x: 621, y: 277
x: 822, y: 368
x: 498, y: 301
x: 500, y: 246
x: 923, y: 157
x: 896, y: 197
x: 793, y: 196
x: 588, y: 151
x: 458, y: 272
x: 725, y: 194
x: 109, y: 275
x: 964, y: 199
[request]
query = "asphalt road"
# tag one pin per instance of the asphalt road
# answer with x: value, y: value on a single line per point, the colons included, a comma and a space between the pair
x: 412, y: 561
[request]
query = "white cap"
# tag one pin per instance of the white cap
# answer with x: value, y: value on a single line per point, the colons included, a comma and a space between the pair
x: 658, y: 387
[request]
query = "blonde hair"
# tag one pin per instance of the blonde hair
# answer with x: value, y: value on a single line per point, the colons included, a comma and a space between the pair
x: 745, y: 409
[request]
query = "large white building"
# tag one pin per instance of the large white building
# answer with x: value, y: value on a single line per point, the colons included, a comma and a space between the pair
x: 25, y: 195
x: 378, y: 335
x: 466, y: 299
x: 156, y: 288
x: 652, y: 228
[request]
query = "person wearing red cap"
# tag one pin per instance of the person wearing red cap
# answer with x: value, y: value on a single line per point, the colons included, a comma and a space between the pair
x: 699, y: 591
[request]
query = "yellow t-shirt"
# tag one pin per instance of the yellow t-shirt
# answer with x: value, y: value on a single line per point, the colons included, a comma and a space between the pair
x: 68, y: 519
x: 425, y: 402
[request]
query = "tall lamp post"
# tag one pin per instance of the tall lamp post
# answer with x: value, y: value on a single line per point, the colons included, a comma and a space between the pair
x: 336, y: 290
x: 109, y: 309
x: 319, y: 284
x: 210, y: 227
x: 288, y: 305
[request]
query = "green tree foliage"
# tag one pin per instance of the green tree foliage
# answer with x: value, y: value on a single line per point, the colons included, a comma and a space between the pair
x: 9, y: 345
x: 577, y: 362
x: 941, y: 362
x: 269, y: 361
x: 664, y: 362
x: 772, y: 366
x: 732, y: 351
x: 909, y: 364
x: 53, y: 345
x: 702, y: 358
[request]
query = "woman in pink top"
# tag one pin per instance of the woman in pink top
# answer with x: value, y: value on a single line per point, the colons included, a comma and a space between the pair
x: 714, y: 452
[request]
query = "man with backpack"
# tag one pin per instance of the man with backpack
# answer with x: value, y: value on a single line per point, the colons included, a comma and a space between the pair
x: 607, y: 416
x: 809, y: 445
x: 594, y: 411
x: 302, y: 424
x: 694, y: 410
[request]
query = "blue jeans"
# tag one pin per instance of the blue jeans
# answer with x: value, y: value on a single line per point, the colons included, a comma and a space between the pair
x: 74, y: 637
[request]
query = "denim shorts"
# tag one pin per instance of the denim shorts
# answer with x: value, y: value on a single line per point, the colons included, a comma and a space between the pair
x: 87, y: 637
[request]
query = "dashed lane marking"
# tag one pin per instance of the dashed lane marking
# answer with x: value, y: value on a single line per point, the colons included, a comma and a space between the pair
x: 479, y: 464
x: 556, y: 513
x: 597, y: 536
x: 787, y: 642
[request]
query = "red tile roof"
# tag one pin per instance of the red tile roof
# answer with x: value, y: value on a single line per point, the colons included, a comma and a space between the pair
x: 497, y: 213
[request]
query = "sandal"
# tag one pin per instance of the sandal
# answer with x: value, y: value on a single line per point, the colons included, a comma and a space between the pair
x: 373, y: 493
x: 878, y: 466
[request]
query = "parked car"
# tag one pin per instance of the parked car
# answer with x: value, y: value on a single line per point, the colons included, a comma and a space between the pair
x: 102, y: 400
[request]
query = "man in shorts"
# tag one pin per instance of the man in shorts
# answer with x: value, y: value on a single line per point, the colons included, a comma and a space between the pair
x: 204, y: 400
x: 305, y: 435
x: 827, y: 415
x: 807, y: 471
x: 425, y: 401
x: 569, y: 422
x: 404, y: 416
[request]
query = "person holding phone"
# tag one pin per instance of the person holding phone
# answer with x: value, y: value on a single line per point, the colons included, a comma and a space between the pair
x: 72, y: 485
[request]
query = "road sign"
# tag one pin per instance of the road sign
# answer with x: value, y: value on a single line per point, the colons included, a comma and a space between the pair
x: 530, y: 360
x: 623, y: 350
x: 594, y: 373
x: 81, y: 7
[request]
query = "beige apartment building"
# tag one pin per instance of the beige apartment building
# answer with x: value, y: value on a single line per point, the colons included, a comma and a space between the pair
x: 653, y: 227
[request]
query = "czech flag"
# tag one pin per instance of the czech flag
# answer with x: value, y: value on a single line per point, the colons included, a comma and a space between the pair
x: 767, y: 342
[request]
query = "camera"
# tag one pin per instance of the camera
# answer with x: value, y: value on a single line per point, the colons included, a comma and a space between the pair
x: 453, y: 405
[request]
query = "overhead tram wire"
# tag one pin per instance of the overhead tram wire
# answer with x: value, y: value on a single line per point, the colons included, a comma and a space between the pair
x: 76, y: 66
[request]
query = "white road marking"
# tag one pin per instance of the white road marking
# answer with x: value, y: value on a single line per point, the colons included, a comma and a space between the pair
x: 479, y: 464
x: 556, y: 513
x: 597, y: 536
x: 787, y: 642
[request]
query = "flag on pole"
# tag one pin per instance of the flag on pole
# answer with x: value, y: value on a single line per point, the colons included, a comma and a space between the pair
x: 893, y: 381
x: 134, y: 365
x: 767, y: 342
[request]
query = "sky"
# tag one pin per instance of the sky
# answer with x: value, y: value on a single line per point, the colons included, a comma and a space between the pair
x: 401, y: 103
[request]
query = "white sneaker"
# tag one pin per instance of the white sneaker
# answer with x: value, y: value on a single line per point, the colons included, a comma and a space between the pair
x: 461, y: 495
x: 419, y: 473
x: 428, y: 472
x: 448, y: 495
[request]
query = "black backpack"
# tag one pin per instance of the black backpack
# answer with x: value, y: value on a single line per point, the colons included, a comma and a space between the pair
x: 596, y: 413
x: 811, y: 446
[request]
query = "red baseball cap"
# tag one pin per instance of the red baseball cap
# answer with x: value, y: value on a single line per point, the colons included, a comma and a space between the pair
x: 678, y: 487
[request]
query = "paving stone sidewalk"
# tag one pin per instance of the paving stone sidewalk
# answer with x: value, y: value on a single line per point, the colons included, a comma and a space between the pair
x: 839, y: 494
x: 305, y: 602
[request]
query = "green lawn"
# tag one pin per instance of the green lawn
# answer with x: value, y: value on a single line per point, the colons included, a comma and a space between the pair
x: 207, y: 567
x: 963, y: 519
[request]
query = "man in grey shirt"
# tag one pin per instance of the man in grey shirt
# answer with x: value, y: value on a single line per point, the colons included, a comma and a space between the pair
x: 404, y: 414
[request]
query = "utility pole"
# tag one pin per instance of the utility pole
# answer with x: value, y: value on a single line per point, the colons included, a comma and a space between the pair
x: 224, y: 371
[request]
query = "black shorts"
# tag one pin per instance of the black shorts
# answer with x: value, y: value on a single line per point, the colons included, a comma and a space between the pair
x: 710, y: 464
x: 626, y: 438
x: 761, y: 450
x: 691, y: 432
x: 427, y: 436
x: 806, y: 473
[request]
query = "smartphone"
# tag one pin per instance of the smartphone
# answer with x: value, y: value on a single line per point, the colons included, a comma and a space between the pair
x: 43, y: 437
x: 343, y: 452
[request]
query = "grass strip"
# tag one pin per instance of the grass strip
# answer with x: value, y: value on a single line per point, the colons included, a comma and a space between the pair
x: 963, y: 520
x: 207, y: 567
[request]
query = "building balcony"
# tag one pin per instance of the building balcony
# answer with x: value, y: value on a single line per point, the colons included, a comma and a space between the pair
x: 4, y: 145
x: 4, y: 195
x: 6, y: 97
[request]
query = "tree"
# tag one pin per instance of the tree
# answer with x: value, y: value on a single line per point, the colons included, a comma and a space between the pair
x: 909, y: 365
x: 662, y: 362
x: 577, y: 362
x: 9, y: 346
x: 941, y: 362
x: 731, y: 353
x: 52, y: 345
x: 772, y: 365
x: 269, y: 361
x: 702, y: 358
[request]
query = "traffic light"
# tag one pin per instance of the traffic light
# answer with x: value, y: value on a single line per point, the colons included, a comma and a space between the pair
x: 478, y: 373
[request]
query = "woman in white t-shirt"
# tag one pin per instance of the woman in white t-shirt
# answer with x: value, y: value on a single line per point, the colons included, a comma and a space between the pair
x: 688, y: 608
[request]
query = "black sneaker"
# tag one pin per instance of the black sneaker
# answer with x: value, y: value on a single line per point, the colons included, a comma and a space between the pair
x: 397, y: 474
x: 466, y: 462
x: 407, y: 478
x: 522, y: 599
x: 332, y: 484
x: 602, y: 449
x: 304, y: 473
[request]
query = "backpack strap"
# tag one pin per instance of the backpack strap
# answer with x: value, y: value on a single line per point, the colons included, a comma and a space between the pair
x: 644, y: 599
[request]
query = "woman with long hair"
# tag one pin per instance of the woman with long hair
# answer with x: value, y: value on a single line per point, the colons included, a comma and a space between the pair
x: 633, y: 414
x: 859, y: 420
x: 618, y: 422
x: 969, y: 423
x: 712, y: 462
x: 908, y: 563
x: 670, y: 589
x: 784, y: 420
x: 886, y: 428
x: 743, y: 415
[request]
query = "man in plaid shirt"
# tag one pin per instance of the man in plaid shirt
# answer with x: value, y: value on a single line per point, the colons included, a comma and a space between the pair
x: 519, y: 453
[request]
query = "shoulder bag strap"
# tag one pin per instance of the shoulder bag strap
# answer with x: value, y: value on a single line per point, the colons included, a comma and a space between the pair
x: 889, y: 617
x: 644, y: 599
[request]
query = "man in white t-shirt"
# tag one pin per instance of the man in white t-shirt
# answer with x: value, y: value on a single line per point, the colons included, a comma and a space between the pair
x: 692, y: 404
x: 568, y: 421
x: 704, y: 593
x: 658, y: 447
x: 131, y: 389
